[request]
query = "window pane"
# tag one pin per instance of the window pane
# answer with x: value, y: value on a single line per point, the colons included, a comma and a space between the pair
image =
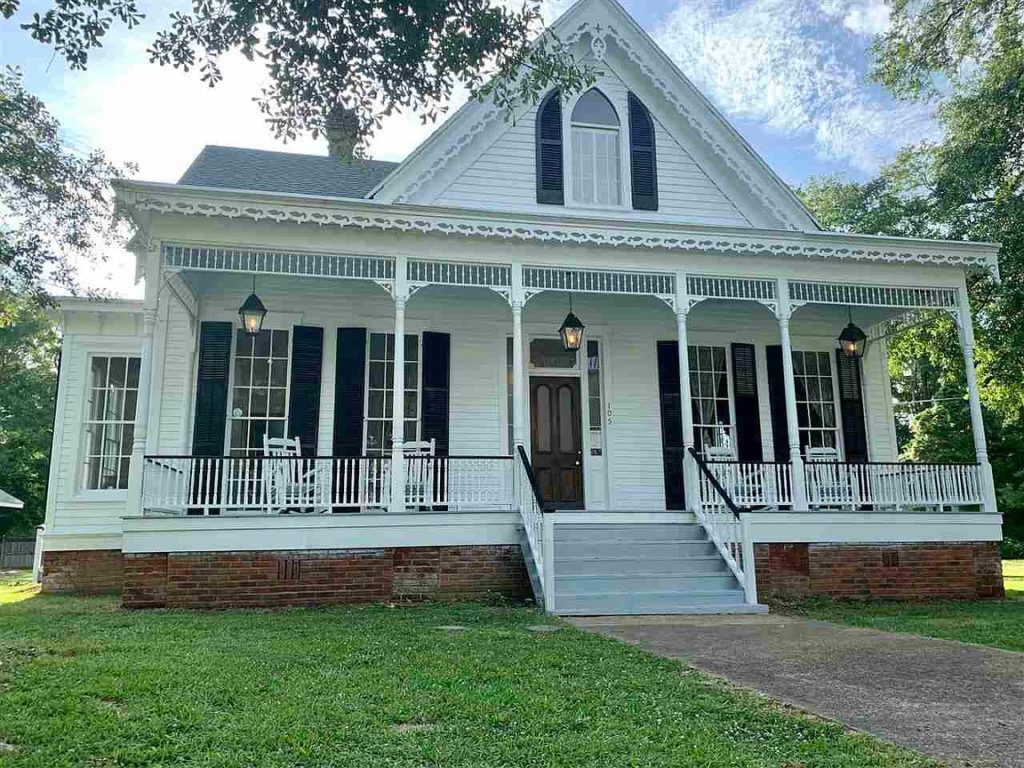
x: 98, y: 405
x: 243, y: 371
x: 566, y: 427
x: 260, y: 373
x: 261, y: 344
x: 549, y: 353
x: 243, y: 344
x: 134, y: 364
x: 412, y: 347
x: 130, y: 399
x: 376, y: 375
x: 279, y: 373
x: 411, y: 375
x: 240, y: 402
x: 375, y: 404
x: 279, y: 344
x: 258, y: 403
x: 118, y: 371
x: 593, y: 107
x: 376, y: 346
x: 411, y: 430
x: 410, y: 405
x: 276, y: 405
x: 99, y: 372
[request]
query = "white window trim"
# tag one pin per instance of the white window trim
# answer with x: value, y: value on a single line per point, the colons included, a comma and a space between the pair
x: 625, y: 180
x: 730, y: 427
x: 366, y: 387
x: 231, y: 382
x: 89, y: 347
x: 833, y: 376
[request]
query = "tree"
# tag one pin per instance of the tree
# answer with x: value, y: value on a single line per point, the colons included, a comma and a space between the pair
x: 967, y: 57
x: 339, y: 65
x: 28, y: 355
x: 56, y: 205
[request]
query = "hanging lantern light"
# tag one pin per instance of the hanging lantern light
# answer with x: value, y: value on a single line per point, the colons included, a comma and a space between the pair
x: 252, y: 312
x: 853, y: 341
x: 571, y: 331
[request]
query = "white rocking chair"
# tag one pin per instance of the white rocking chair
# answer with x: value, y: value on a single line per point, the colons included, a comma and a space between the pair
x: 292, y: 483
x: 419, y: 479
x: 829, y: 482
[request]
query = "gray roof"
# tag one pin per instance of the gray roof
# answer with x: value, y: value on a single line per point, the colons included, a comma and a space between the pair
x: 265, y: 171
x: 6, y: 500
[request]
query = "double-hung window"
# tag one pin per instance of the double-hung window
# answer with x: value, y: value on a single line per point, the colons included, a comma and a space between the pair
x: 709, y: 397
x: 380, y: 385
x: 596, y: 166
x: 815, y: 400
x: 259, y: 398
x: 110, y: 427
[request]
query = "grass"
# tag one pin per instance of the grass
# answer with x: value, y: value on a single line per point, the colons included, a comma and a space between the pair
x: 999, y: 623
x: 1013, y: 578
x: 85, y: 683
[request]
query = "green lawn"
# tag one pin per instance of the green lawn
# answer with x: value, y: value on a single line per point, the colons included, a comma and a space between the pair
x: 999, y: 623
x: 84, y: 683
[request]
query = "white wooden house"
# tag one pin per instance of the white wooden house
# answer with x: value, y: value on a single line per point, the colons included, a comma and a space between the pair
x: 480, y: 449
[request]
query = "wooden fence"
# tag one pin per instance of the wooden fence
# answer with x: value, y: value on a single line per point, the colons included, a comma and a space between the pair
x: 16, y: 553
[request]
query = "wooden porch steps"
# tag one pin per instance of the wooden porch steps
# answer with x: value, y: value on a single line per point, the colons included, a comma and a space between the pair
x: 642, y: 568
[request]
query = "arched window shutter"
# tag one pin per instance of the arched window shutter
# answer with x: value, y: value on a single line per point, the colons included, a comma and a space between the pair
x: 643, y: 161
x: 550, y: 187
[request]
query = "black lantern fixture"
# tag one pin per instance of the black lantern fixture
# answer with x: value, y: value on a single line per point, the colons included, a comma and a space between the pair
x: 853, y: 341
x: 571, y: 331
x: 252, y: 312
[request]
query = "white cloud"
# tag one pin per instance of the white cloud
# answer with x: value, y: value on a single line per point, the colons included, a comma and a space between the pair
x: 869, y: 18
x: 787, y: 65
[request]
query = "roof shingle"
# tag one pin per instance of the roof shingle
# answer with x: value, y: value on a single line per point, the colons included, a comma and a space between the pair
x: 265, y: 171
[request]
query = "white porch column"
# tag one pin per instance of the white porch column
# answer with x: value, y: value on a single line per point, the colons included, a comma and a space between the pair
x: 792, y: 426
x: 966, y: 327
x: 398, y: 391
x: 518, y: 300
x: 150, y: 306
x: 690, y: 478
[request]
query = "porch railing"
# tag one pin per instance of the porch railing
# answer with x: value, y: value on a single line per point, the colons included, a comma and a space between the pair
x: 531, y: 507
x: 191, y: 485
x: 749, y: 484
x: 454, y: 482
x: 903, y: 486
x: 727, y: 526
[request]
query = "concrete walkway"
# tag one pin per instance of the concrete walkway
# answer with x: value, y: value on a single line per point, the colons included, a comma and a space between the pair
x: 963, y: 704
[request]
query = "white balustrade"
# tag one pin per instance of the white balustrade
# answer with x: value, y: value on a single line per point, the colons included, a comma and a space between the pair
x: 191, y: 485
x: 902, y: 486
x: 531, y: 512
x: 750, y: 485
x: 459, y: 482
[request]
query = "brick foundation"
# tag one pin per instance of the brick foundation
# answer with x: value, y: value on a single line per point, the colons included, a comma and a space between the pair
x: 322, y: 577
x: 84, y: 572
x: 950, y: 570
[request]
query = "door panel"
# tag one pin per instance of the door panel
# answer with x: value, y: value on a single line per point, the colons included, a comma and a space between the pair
x: 556, y: 437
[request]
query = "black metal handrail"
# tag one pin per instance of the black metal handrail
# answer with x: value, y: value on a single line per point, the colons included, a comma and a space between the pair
x: 532, y: 479
x: 715, y: 484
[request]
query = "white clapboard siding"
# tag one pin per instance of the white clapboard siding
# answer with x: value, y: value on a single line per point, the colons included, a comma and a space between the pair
x: 174, y: 435
x: 503, y: 176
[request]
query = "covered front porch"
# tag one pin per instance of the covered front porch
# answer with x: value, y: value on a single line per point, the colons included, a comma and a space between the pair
x: 778, y: 417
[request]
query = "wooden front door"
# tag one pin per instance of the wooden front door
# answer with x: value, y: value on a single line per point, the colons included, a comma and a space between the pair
x: 555, y: 430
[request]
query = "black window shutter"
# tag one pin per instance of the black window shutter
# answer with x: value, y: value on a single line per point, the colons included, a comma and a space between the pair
x: 777, y: 401
x: 435, y: 396
x: 212, y: 389
x: 744, y: 393
x: 643, y: 160
x: 550, y: 185
x: 304, y: 405
x: 671, y: 424
x: 349, y: 384
x: 851, y: 407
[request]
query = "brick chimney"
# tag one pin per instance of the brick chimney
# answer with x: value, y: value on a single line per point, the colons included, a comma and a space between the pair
x: 342, y: 132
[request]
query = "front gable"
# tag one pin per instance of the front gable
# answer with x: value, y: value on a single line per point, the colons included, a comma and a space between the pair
x: 707, y: 174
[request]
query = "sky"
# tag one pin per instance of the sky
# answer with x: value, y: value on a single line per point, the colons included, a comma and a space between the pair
x: 791, y: 76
